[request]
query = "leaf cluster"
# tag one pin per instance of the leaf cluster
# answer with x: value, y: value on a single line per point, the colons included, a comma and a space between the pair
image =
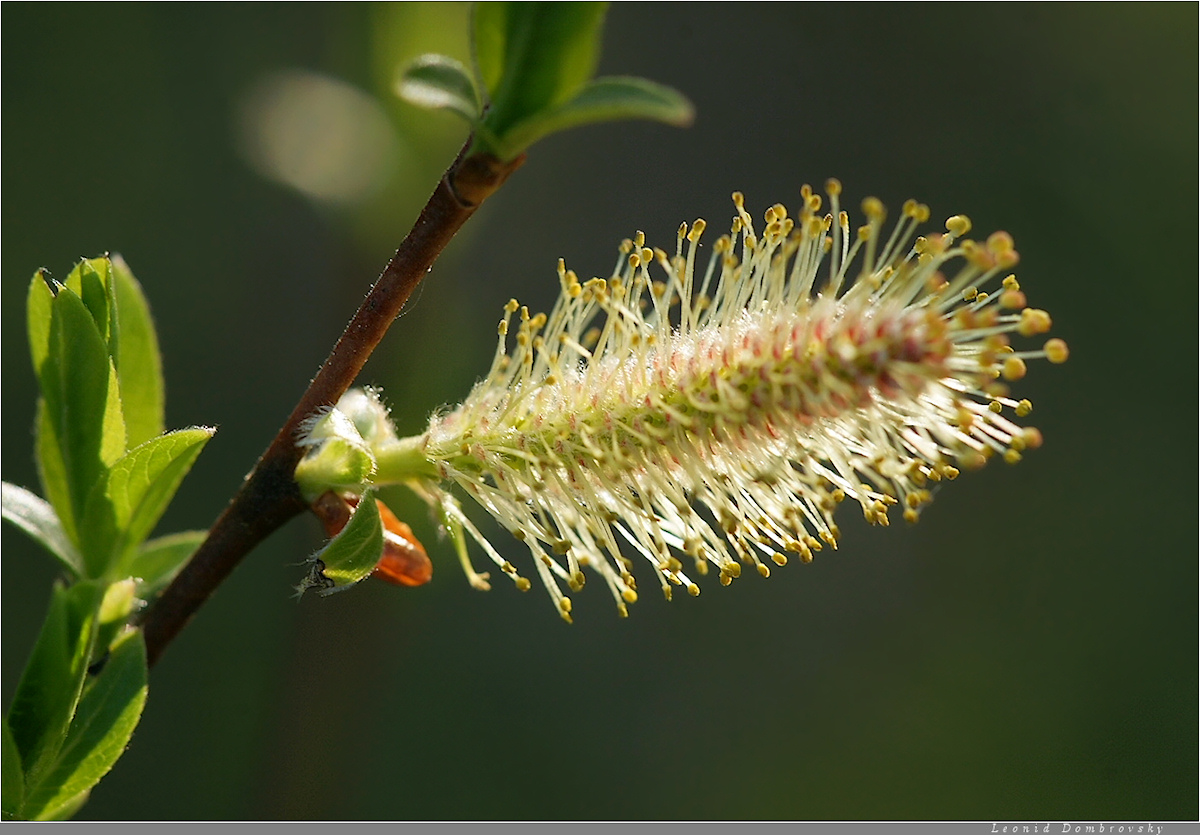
x: 108, y: 471
x: 532, y: 76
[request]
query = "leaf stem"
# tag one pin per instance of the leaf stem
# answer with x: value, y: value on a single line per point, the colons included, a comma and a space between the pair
x: 269, y: 496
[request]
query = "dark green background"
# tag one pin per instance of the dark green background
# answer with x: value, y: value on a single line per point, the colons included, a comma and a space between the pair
x: 1029, y: 650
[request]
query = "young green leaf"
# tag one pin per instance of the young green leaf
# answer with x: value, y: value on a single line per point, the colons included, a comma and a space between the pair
x: 38, y: 310
x: 138, y: 362
x: 37, y: 518
x: 53, y: 678
x: 159, y: 560
x: 12, y: 792
x: 439, y: 82
x: 90, y: 280
x: 82, y: 405
x: 103, y: 724
x: 67, y: 810
x: 120, y: 602
x: 352, y: 554
x: 534, y: 55
x: 125, y: 507
x: 534, y: 61
x: 608, y: 100
x: 547, y: 51
x: 52, y: 470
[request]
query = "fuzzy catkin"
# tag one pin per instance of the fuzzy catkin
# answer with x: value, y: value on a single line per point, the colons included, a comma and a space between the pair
x: 720, y: 416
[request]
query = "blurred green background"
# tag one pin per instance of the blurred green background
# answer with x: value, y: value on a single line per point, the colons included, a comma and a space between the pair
x: 1029, y: 650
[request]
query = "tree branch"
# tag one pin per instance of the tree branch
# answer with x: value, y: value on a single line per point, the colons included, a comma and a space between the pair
x: 269, y: 497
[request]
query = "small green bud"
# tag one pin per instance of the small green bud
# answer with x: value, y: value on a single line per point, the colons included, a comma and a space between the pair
x: 338, y: 459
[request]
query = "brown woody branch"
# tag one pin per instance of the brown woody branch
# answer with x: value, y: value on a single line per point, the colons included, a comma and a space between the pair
x: 269, y: 497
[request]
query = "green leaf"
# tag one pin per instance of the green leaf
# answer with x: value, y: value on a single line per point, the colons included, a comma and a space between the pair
x: 124, y: 509
x: 489, y: 31
x: 351, y: 555
x: 12, y: 794
x: 159, y: 560
x: 36, y: 517
x: 50, y: 686
x: 532, y: 57
x: 67, y: 810
x: 82, y: 406
x: 119, y: 603
x: 139, y: 364
x: 103, y: 725
x: 607, y: 100
x: 439, y: 82
x: 38, y: 309
x: 92, y: 286
x: 52, y: 471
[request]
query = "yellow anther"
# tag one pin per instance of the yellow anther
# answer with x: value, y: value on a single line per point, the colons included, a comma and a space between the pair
x: 1033, y: 321
x: 1010, y: 283
x: 1012, y: 300
x: 958, y: 225
x: 1056, y: 351
x: 639, y: 240
x: 635, y: 260
x: 999, y: 242
x: 864, y: 233
x: 911, y: 516
x: 909, y: 209
x: 995, y: 406
x: 1012, y: 456
x: 739, y: 200
x: 511, y: 306
x: 833, y: 187
x: 502, y: 328
x: 693, y: 590
x: 921, y: 214
x: 1032, y: 437
x: 972, y: 460
x: 629, y: 596
x: 1013, y: 368
x: 779, y: 559
x: 873, y: 208
x: 970, y: 293
x: 522, y: 583
x: 647, y: 255
x: 1024, y: 407
x: 565, y: 604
